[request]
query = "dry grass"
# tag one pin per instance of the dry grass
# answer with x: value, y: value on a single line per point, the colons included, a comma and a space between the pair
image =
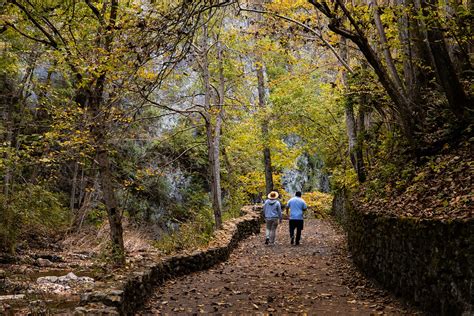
x: 91, y: 239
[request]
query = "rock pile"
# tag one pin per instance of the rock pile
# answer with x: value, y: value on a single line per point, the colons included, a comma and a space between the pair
x: 62, y: 284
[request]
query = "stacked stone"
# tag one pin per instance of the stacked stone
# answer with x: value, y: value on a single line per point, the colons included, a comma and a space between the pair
x: 127, y: 295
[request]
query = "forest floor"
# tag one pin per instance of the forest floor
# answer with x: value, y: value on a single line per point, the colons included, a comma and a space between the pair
x: 316, y: 277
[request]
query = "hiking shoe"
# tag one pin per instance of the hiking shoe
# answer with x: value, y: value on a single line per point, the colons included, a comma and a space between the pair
x: 292, y: 241
x: 267, y: 241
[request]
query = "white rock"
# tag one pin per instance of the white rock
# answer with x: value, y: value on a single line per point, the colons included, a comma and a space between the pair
x: 71, y: 276
x: 47, y: 279
x: 12, y: 297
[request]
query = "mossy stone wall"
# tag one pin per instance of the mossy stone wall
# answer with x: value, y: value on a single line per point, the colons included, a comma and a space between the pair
x: 429, y: 262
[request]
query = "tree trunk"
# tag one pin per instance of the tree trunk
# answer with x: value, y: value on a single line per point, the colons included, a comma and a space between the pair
x: 212, y: 129
x: 72, y: 199
x: 402, y: 105
x: 355, y: 149
x: 99, y: 131
x: 445, y: 72
x: 459, y: 47
x: 361, y: 172
x: 267, y: 159
x: 217, y: 201
x: 386, y: 48
x: 111, y: 203
x: 414, y: 77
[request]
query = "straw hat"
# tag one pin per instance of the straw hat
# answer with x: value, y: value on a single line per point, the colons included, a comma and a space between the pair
x: 273, y: 195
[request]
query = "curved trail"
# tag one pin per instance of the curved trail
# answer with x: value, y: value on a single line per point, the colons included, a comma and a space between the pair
x: 316, y: 277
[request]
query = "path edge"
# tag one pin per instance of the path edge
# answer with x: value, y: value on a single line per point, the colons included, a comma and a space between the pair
x: 126, y: 296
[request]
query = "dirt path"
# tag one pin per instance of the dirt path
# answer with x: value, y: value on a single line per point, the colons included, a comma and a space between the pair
x: 315, y: 277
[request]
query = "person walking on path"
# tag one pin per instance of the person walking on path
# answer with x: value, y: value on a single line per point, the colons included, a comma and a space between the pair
x: 297, y: 206
x: 273, y: 216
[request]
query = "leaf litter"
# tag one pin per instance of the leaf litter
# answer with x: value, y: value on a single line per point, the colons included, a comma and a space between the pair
x: 280, y: 279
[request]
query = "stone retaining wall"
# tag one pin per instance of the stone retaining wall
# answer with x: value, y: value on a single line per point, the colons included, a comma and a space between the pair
x: 129, y: 294
x: 428, y: 262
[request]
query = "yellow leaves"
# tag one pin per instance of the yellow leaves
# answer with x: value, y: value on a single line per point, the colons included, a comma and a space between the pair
x: 318, y: 202
x: 253, y: 182
x: 147, y: 74
x: 45, y: 160
x: 287, y: 5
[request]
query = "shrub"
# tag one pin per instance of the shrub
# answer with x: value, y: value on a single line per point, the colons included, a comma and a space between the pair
x: 189, y: 235
x: 318, y: 203
x: 31, y: 210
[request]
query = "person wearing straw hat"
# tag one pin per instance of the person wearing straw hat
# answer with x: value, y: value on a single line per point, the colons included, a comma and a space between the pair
x: 273, y: 216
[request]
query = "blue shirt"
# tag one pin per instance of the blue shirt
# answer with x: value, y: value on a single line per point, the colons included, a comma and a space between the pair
x: 272, y: 209
x: 296, y: 205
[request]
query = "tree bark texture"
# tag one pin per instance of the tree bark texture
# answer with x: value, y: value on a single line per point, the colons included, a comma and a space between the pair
x: 355, y: 147
x: 267, y: 159
x: 386, y: 48
x: 445, y: 72
x: 212, y: 129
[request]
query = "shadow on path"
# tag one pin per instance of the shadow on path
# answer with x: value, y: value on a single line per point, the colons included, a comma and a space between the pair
x: 315, y: 277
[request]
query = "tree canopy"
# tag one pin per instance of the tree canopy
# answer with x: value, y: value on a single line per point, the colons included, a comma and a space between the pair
x: 178, y: 112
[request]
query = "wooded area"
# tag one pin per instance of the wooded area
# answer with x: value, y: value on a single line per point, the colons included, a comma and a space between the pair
x: 176, y: 113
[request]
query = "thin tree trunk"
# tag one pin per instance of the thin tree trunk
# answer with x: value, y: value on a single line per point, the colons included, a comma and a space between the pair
x: 355, y: 149
x: 217, y: 136
x: 212, y: 132
x: 267, y: 159
x: 402, y: 104
x: 72, y: 200
x: 386, y: 48
x: 361, y: 172
x: 413, y: 78
x: 348, y: 107
x: 445, y: 72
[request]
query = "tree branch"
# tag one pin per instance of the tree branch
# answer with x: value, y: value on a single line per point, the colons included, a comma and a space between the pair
x: 315, y: 32
x: 96, y: 12
x: 29, y: 36
x: 51, y: 39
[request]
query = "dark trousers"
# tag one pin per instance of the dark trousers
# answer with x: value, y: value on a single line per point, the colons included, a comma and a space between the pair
x: 298, y: 224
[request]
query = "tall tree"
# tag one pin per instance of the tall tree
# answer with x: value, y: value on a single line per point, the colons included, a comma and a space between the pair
x: 213, y: 114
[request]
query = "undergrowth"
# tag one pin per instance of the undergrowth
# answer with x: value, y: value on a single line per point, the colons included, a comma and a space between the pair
x: 30, y: 210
